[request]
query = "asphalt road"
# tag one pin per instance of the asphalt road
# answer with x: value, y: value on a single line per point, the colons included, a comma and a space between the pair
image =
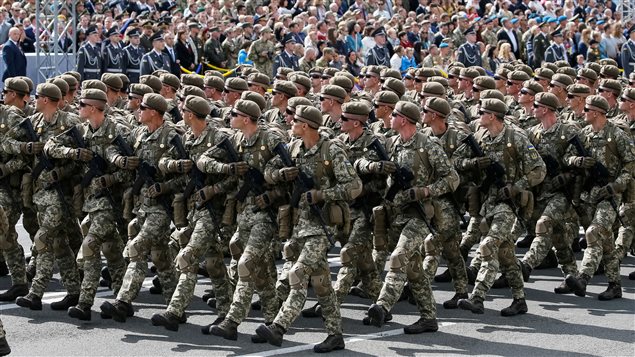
x: 554, y: 326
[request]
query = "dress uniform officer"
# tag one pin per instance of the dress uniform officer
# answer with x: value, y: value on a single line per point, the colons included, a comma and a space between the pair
x: 132, y: 55
x: 89, y: 57
x: 628, y: 53
x: 379, y: 54
x: 286, y: 58
x: 555, y: 52
x: 112, y: 52
x: 155, y: 59
x: 469, y: 52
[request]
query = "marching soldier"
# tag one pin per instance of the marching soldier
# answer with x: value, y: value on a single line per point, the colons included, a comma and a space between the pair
x: 155, y: 59
x: 112, y: 52
x: 132, y: 55
x: 89, y: 59
x: 379, y: 54
x: 469, y: 52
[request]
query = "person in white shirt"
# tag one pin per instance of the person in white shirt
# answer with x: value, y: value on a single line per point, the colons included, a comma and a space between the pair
x: 395, y: 60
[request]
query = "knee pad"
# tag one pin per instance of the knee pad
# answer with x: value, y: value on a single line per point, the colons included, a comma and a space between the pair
x: 321, y: 284
x: 135, y: 252
x: 594, y: 234
x: 430, y: 245
x: 185, y: 261
x: 544, y: 226
x: 414, y: 270
x: 160, y: 258
x: 290, y: 251
x: 348, y: 254
x: 398, y: 260
x: 133, y: 228
x: 90, y: 247
x: 235, y: 248
x: 488, y: 248
x: 41, y: 241
x: 297, y: 277
x: 246, y: 267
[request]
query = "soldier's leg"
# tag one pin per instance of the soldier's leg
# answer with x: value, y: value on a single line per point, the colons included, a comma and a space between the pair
x: 510, y: 266
x: 420, y: 281
x: 187, y: 264
x: 350, y: 256
x: 252, y: 268
x: 290, y: 252
x: 217, y: 271
x: 101, y: 230
x: 137, y: 252
x: 381, y: 250
x: 51, y: 220
x: 12, y: 252
x: 30, y: 224
x: 162, y: 258
x: 625, y: 234
x: 600, y: 229
x: 409, y: 243
x: 499, y: 231
x: 236, y: 247
x: 472, y: 235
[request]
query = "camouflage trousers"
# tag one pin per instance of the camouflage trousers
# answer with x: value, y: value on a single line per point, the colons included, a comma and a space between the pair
x: 311, y: 263
x: 357, y: 260
x: 471, y: 237
x: 29, y: 223
x: 12, y: 252
x: 446, y: 241
x: 290, y: 253
x: 625, y: 234
x: 152, y: 239
x: 103, y: 237
x: 254, y: 272
x: 383, y: 245
x: 551, y: 230
x: 202, y: 238
x: 497, y: 251
x: 52, y: 244
x: 406, y: 264
x: 600, y: 244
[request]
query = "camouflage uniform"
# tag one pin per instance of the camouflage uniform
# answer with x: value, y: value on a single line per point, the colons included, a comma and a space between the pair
x: 201, y: 234
x: 264, y: 64
x: 523, y: 168
x: 102, y: 234
x: 152, y: 219
x: 255, y: 233
x: 55, y: 219
x: 10, y: 200
x: 615, y: 150
x: 625, y: 236
x: 551, y: 197
x: 337, y: 180
x: 425, y: 157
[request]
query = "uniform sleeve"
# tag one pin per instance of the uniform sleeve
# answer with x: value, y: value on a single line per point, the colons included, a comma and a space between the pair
x: 447, y: 179
x: 533, y: 168
x: 362, y: 164
x: 626, y: 150
x: 213, y: 160
x: 59, y: 146
x: 348, y: 184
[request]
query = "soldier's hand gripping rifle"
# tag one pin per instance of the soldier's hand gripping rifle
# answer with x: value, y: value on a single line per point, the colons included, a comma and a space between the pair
x: 599, y: 175
x: 44, y: 163
x: 303, y: 183
x: 96, y: 168
x: 196, y: 181
x: 254, y: 180
x: 494, y: 174
x: 145, y: 174
x: 401, y: 181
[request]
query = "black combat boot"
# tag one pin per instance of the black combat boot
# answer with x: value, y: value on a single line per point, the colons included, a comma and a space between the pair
x: 211, y: 302
x: 119, y: 311
x: 377, y: 315
x: 575, y: 245
x: 80, y: 312
x: 257, y: 339
x: 106, y: 279
x: 206, y: 329
x: 208, y: 295
x: 356, y: 290
x: 227, y: 329
x: 202, y: 270
x: 582, y: 242
x: 475, y: 304
x: 525, y: 269
x: 332, y: 343
x: 30, y: 300
x: 313, y: 311
x: 501, y: 282
x: 444, y: 277
x: 30, y: 272
x: 631, y: 276
x: 156, y: 288
x: 550, y: 261
x: 256, y: 305
x: 68, y: 301
x: 454, y: 302
x: 272, y: 333
x: 14, y: 292
x: 613, y: 291
x: 422, y: 325
x: 578, y: 284
x: 4, y: 269
x: 366, y: 319
x: 518, y: 306
x: 525, y: 242
x: 562, y: 289
x: 471, y: 273
x: 167, y: 320
x: 4, y: 346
